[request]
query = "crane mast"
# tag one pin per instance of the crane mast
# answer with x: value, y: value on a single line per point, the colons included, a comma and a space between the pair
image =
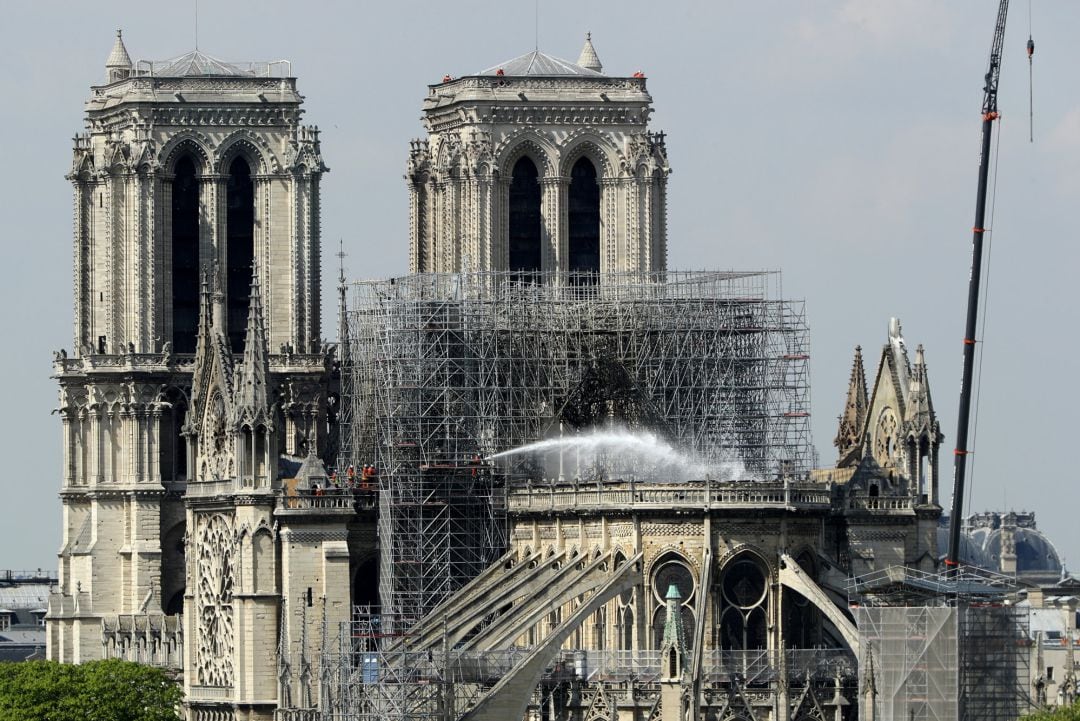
x: 989, y: 115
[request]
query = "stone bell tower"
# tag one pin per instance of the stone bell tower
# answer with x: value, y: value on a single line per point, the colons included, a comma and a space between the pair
x: 188, y: 168
x: 539, y: 164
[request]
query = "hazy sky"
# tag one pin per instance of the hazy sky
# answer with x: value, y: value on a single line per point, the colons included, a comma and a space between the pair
x: 837, y: 141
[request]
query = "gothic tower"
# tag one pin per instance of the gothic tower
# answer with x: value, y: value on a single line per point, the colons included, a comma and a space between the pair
x: 196, y: 237
x: 539, y: 164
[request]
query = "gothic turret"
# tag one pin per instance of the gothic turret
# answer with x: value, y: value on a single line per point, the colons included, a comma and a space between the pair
x: 869, y: 690
x: 252, y: 395
x: 253, y: 419
x: 920, y: 409
x: 672, y: 656
x: 118, y: 66
x: 210, y: 440
x: 849, y: 437
x: 673, y: 646
x: 588, y: 58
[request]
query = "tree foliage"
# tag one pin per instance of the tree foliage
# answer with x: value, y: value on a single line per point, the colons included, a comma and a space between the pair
x: 96, y: 691
x: 1066, y: 713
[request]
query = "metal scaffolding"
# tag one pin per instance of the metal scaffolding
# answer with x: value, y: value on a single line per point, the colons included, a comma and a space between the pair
x: 943, y: 646
x: 441, y: 371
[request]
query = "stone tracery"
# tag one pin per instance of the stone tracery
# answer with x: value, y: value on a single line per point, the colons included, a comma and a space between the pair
x: 215, y: 558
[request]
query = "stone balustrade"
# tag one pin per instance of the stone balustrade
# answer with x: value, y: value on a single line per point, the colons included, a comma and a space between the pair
x: 659, y: 496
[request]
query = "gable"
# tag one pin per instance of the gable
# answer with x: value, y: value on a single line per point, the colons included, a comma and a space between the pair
x: 887, y: 410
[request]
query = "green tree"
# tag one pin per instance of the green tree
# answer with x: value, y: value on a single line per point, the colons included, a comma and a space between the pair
x: 95, y: 691
x: 1067, y: 713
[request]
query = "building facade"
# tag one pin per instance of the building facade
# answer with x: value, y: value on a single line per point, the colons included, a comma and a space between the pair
x: 199, y: 407
x: 198, y: 379
x: 538, y: 164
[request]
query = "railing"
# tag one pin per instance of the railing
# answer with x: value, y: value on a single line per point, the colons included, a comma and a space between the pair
x: 643, y: 666
x: 621, y: 495
x: 183, y: 362
x: 880, y: 503
x: 763, y: 665
x: 210, y: 693
x: 36, y: 576
x: 333, y: 499
x: 329, y: 500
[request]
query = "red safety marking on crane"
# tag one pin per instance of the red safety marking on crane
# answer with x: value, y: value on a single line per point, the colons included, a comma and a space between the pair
x: 959, y: 452
x: 994, y: 115
x: 978, y: 230
x: 969, y: 341
x: 950, y: 562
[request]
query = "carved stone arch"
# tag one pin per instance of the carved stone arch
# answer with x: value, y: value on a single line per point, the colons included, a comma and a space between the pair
x: 805, y: 548
x: 187, y: 142
x: 525, y: 142
x: 664, y: 554
x: 262, y: 559
x: 118, y: 158
x: 447, y: 155
x: 745, y: 549
x: 252, y: 147
x: 597, y: 148
x: 83, y: 168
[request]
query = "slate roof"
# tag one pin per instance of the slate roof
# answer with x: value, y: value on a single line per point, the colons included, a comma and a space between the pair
x: 538, y: 64
x: 196, y: 63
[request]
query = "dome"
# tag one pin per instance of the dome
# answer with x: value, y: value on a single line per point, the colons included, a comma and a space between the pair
x: 1034, y: 551
x: 971, y: 551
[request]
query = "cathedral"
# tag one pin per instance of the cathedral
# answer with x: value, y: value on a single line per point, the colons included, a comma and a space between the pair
x: 312, y: 530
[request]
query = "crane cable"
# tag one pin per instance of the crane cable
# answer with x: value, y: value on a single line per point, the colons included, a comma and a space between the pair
x: 1031, y: 83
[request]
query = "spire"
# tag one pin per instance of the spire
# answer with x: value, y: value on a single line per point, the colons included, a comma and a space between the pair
x: 849, y: 436
x: 118, y: 66
x: 674, y: 642
x: 204, y: 335
x: 869, y: 689
x: 252, y: 398
x: 920, y: 408
x: 213, y: 360
x: 588, y: 58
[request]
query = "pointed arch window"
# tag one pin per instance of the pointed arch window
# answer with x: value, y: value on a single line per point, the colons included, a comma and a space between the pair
x: 524, y: 222
x: 742, y: 605
x: 583, y: 218
x: 239, y: 249
x: 185, y: 256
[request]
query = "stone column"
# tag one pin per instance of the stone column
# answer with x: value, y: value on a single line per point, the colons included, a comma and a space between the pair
x: 164, y: 284
x: 314, y: 266
x: 153, y: 435
x: 95, y: 440
x: 81, y: 291
x: 211, y: 224
x: 81, y: 452
x: 553, y: 224
x: 609, y: 226
x: 69, y: 448
x: 299, y: 257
